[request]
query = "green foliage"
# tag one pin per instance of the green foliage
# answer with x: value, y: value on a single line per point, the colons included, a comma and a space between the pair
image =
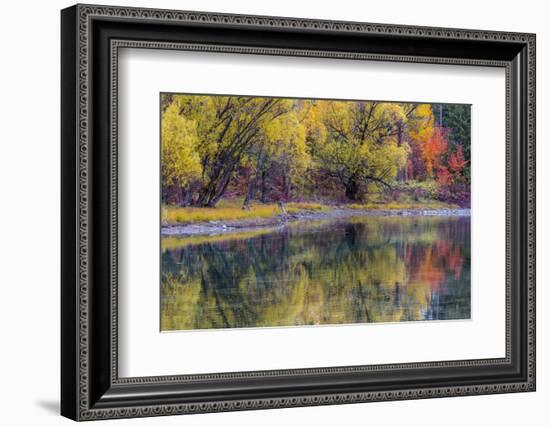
x: 427, y: 189
x: 457, y: 118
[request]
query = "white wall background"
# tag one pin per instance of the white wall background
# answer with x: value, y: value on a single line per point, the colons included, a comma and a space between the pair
x: 29, y: 212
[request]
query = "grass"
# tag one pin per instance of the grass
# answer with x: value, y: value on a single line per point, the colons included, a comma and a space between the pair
x: 298, y: 207
x: 174, y: 215
x: 231, y: 210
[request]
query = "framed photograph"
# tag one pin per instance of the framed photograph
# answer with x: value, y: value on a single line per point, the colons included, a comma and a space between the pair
x: 263, y: 212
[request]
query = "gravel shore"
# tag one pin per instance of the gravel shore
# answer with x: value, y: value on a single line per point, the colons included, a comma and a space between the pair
x: 216, y: 227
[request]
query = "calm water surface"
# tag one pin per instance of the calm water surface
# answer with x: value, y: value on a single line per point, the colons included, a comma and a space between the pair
x: 359, y: 270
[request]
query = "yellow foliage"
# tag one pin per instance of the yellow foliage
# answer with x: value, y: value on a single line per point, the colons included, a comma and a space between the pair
x: 360, y: 142
x: 180, y: 158
x: 421, y: 124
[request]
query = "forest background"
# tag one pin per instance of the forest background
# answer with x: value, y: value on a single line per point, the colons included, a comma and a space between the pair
x: 228, y: 157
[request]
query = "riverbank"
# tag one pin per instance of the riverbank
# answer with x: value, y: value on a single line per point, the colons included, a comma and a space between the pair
x: 250, y: 224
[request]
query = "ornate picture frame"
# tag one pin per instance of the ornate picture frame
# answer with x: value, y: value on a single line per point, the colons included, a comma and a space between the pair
x: 91, y: 37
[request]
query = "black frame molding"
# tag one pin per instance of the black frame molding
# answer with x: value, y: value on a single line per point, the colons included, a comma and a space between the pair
x: 91, y: 36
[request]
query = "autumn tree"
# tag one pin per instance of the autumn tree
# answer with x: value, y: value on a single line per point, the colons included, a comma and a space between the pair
x: 227, y: 128
x: 453, y: 171
x: 457, y: 162
x: 180, y: 158
x: 420, y: 128
x: 433, y: 150
x: 360, y: 144
x: 280, y: 151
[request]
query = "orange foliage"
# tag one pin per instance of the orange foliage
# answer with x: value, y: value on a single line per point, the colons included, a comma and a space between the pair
x: 434, y: 262
x: 433, y: 149
x: 444, y: 177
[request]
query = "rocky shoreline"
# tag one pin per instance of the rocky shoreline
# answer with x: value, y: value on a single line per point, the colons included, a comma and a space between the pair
x: 218, y: 227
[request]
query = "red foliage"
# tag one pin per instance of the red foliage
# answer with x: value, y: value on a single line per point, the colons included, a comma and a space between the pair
x: 457, y: 161
x: 452, y: 173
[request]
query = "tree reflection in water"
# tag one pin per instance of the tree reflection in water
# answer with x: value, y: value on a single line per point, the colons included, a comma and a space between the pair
x: 366, y: 269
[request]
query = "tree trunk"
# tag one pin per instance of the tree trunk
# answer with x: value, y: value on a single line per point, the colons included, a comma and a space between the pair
x: 286, y: 187
x: 216, y: 186
x: 205, y: 195
x: 220, y: 189
x: 187, y: 197
x: 251, y: 192
x: 352, y: 189
x: 263, y: 187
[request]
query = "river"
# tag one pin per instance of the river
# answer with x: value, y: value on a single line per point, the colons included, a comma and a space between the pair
x: 353, y: 270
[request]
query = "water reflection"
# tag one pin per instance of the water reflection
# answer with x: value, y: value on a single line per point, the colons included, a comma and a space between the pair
x: 360, y: 270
